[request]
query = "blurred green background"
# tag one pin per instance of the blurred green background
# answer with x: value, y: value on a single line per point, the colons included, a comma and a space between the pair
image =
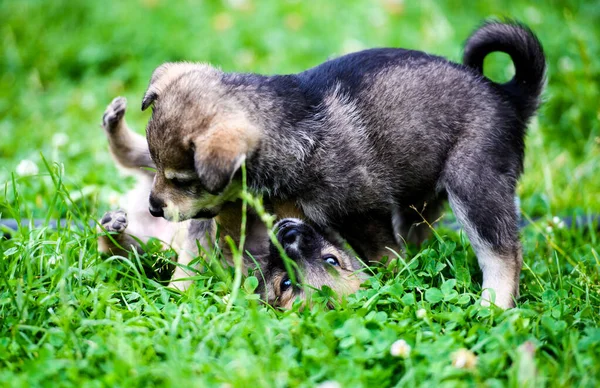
x: 69, y: 317
x: 61, y: 62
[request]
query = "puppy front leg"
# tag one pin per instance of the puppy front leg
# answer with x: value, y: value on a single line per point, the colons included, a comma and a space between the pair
x: 120, y: 242
x: 180, y: 279
x: 198, y: 233
x: 128, y: 148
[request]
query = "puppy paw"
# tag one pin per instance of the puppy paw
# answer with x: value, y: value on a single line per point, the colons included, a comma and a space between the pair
x: 114, y: 113
x: 114, y: 221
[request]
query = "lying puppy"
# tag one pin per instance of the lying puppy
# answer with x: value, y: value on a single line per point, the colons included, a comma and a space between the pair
x: 135, y: 225
x: 320, y: 262
x: 356, y: 141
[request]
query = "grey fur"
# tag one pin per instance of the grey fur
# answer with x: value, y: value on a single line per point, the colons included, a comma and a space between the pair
x: 357, y: 138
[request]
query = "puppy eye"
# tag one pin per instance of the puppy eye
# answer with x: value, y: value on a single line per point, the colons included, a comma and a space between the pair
x: 331, y: 259
x: 181, y: 183
x: 285, y: 284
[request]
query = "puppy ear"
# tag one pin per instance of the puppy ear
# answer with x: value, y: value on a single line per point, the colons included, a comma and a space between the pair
x: 148, y: 99
x: 216, y: 176
x: 220, y: 152
x: 162, y: 77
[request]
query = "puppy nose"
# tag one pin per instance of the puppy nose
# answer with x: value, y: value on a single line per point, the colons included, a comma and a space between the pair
x: 290, y: 236
x: 156, y: 212
x: 156, y: 207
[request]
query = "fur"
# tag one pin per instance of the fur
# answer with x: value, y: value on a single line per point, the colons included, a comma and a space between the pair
x: 358, y: 140
x: 130, y: 227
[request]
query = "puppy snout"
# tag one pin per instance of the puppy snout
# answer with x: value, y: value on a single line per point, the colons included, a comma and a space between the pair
x: 157, y: 212
x: 288, y: 232
x: 290, y: 236
x: 156, y: 207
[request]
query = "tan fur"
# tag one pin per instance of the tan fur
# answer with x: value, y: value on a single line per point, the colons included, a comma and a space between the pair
x: 287, y: 209
x: 166, y: 73
x: 227, y: 140
x: 287, y: 299
x: 350, y: 279
x: 230, y: 140
x: 223, y: 147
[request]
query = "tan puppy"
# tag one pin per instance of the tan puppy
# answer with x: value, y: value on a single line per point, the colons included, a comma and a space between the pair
x: 326, y: 263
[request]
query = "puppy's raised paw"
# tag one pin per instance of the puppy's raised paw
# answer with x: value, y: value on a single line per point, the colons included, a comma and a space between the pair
x: 114, y: 113
x: 114, y: 221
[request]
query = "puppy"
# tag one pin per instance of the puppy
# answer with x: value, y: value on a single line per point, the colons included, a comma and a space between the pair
x: 319, y: 262
x: 134, y: 226
x: 131, y: 228
x: 356, y: 141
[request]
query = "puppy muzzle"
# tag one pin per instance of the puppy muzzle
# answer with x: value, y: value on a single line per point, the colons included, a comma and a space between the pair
x: 296, y: 237
x: 156, y: 207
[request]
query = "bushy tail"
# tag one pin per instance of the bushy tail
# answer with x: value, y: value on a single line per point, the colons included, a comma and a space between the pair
x: 527, y: 54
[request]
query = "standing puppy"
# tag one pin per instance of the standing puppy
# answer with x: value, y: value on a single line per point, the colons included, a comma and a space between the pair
x: 356, y: 141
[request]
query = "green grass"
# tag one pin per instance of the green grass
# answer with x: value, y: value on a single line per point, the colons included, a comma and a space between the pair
x: 68, y: 317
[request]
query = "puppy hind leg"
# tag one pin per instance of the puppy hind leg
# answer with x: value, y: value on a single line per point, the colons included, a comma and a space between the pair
x: 489, y: 217
x: 128, y: 148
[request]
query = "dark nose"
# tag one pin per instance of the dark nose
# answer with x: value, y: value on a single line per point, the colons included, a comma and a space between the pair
x: 290, y: 236
x: 156, y: 207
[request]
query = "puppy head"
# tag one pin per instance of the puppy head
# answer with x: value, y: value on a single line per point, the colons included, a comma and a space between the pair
x: 320, y: 263
x: 198, y: 138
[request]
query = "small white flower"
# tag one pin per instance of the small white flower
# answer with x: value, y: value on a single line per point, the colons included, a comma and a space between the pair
x: 566, y: 65
x: 60, y: 139
x: 238, y: 4
x: 88, y: 101
x: 92, y: 345
x: 400, y: 349
x: 377, y: 18
x: 245, y: 57
x: 533, y: 14
x: 226, y: 298
x: 329, y: 384
x: 53, y: 259
x: 464, y: 359
x: 560, y: 224
x: 421, y: 313
x: 549, y: 229
x: 27, y: 167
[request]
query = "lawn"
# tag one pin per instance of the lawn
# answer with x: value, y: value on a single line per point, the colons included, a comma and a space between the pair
x: 68, y: 317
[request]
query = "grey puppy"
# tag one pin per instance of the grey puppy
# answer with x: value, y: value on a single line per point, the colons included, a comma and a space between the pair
x: 356, y: 141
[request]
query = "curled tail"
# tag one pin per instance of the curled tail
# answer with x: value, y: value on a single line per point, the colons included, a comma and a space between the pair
x: 527, y: 54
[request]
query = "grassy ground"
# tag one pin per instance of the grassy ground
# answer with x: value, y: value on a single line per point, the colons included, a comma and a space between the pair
x: 67, y: 317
